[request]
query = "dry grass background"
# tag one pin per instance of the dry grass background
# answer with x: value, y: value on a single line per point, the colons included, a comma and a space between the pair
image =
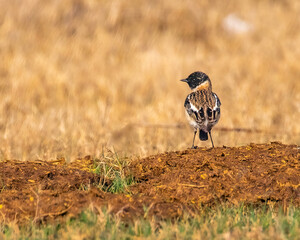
x: 77, y: 76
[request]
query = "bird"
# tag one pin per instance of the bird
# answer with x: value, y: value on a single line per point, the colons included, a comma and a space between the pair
x: 202, y: 106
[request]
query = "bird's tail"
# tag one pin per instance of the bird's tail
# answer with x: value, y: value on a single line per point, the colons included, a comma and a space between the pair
x: 203, y: 135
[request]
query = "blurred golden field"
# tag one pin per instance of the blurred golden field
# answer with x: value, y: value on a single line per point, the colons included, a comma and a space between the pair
x: 79, y: 76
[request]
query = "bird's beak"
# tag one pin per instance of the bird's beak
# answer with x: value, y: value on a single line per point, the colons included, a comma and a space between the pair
x: 183, y: 80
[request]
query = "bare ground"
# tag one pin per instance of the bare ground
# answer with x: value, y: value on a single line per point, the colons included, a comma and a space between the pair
x: 166, y: 185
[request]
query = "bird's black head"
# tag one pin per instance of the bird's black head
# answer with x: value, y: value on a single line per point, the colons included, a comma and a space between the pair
x: 196, y: 79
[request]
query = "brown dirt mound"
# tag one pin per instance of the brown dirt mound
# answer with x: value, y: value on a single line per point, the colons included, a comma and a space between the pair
x: 167, y: 184
x: 251, y: 174
x: 41, y: 189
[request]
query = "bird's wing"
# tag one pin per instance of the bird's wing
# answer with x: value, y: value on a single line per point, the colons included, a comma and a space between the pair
x: 193, y: 110
x: 216, y: 111
x: 217, y: 102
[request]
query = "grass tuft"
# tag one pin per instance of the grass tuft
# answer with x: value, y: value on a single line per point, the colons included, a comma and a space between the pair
x: 112, y: 168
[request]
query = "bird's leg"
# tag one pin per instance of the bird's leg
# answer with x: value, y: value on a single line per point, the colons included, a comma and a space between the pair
x: 195, y: 132
x: 212, y: 143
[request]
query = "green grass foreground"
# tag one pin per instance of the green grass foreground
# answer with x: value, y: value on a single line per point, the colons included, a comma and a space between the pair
x: 220, y: 223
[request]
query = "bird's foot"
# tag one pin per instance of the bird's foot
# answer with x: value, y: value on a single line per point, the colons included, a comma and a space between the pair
x: 194, y: 147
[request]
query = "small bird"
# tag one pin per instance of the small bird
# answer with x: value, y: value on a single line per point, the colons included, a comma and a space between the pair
x: 202, y: 106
